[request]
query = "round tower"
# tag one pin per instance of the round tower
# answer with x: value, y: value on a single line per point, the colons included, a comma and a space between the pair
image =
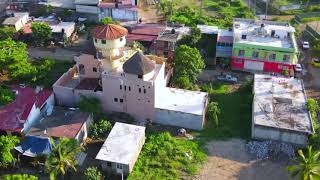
x: 109, y: 39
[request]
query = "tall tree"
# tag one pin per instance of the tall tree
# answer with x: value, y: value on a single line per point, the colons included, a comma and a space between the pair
x: 7, y: 143
x: 7, y: 32
x: 188, y: 63
x: 14, y: 58
x: 41, y: 33
x: 192, y: 39
x: 62, y: 157
x: 308, y: 167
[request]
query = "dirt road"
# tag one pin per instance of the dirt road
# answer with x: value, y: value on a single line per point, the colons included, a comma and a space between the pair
x: 228, y: 160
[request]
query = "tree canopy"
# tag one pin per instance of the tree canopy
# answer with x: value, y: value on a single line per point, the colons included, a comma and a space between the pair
x: 108, y: 20
x: 7, y: 143
x: 41, y: 33
x: 7, y: 32
x: 188, y: 63
x: 90, y: 105
x: 100, y: 129
x: 192, y: 39
x: 62, y: 157
x: 6, y: 95
x: 92, y: 173
x: 14, y: 58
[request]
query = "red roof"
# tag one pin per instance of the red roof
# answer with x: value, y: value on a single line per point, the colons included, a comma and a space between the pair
x: 19, y: 109
x: 139, y: 37
x: 145, y: 32
x: 109, y: 32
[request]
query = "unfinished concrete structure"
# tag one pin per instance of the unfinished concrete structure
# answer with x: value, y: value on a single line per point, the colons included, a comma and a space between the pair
x: 279, y: 110
x: 128, y: 81
x: 121, y: 149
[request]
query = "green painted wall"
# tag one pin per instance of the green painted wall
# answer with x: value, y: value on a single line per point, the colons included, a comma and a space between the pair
x: 265, y: 51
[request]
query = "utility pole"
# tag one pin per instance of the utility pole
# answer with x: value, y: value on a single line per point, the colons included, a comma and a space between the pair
x: 266, y: 10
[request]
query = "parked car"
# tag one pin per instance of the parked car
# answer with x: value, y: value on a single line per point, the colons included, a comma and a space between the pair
x: 305, y: 45
x: 227, y: 78
x: 298, y: 68
x: 316, y: 60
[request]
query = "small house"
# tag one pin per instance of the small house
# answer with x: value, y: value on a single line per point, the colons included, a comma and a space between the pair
x: 17, y: 21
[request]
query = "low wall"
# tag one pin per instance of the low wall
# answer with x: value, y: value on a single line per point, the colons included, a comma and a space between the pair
x: 268, y: 133
x: 176, y: 118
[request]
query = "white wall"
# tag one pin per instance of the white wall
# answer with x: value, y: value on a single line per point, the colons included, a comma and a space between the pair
x: 87, y: 9
x: 175, y: 118
x: 62, y: 3
x: 124, y: 14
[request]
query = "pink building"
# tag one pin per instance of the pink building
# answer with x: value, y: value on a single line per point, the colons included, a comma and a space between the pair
x: 129, y: 81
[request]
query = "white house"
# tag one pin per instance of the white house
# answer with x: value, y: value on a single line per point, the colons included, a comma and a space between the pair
x: 17, y: 21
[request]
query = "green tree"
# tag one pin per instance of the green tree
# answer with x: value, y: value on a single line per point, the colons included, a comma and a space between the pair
x: 182, y: 82
x: 6, y: 95
x: 188, y: 63
x: 14, y: 58
x: 7, y: 32
x: 192, y: 39
x: 100, y: 129
x: 308, y: 167
x: 92, y: 173
x: 7, y: 143
x: 19, y: 177
x: 167, y: 6
x: 90, y: 105
x: 44, y: 11
x: 42, y: 69
x: 213, y: 112
x: 108, y: 20
x: 62, y: 157
x: 41, y: 33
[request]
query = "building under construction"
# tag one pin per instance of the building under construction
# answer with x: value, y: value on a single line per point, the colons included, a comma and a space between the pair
x: 279, y: 110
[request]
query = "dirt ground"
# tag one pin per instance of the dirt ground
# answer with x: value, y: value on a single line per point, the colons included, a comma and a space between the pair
x: 228, y: 160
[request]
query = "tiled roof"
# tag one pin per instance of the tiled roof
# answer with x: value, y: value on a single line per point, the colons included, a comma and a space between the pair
x: 109, y: 32
x: 20, y: 108
x: 138, y: 64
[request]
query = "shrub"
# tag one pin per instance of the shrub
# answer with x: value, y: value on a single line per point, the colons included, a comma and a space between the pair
x: 41, y: 33
x: 19, y: 177
x: 182, y: 82
x: 7, y: 143
x: 92, y: 173
x: 100, y: 129
x: 108, y: 20
x: 6, y: 95
x: 213, y: 112
x: 90, y: 105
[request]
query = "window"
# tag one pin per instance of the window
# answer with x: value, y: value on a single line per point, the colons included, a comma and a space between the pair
x: 94, y: 69
x: 121, y: 100
x: 119, y: 166
x: 103, y: 41
x: 95, y: 40
x: 140, y: 76
x: 139, y: 90
x: 273, y: 32
x: 144, y: 91
x: 241, y: 53
x: 280, y: 66
x: 109, y: 164
x: 115, y: 99
x: 238, y: 60
x: 255, y: 54
x: 272, y: 57
x: 129, y: 88
x: 121, y: 39
x: 120, y: 86
x: 244, y: 36
x: 81, y: 69
x: 165, y: 53
x: 125, y: 88
x: 286, y: 57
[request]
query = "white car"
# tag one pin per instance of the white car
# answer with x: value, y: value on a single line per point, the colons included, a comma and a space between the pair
x: 298, y: 68
x: 305, y: 45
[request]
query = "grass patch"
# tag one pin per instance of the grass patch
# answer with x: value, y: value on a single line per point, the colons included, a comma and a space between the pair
x: 167, y: 157
x: 235, y: 116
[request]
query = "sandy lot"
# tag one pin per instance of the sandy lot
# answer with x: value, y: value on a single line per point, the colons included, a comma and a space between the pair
x: 228, y: 160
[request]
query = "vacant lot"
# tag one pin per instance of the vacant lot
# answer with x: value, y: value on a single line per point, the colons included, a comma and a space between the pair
x: 228, y: 160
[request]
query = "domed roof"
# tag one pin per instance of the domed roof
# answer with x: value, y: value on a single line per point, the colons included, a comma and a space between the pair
x: 138, y: 64
x: 109, y: 32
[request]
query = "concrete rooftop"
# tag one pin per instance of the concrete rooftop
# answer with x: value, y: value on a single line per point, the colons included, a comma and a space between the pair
x: 192, y: 102
x: 122, y: 143
x: 257, y: 35
x: 280, y: 103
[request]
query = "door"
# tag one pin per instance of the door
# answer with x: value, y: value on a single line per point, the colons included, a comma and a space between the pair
x: 253, y: 65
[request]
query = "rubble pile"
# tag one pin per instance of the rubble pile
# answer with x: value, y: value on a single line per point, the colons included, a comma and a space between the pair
x: 270, y: 149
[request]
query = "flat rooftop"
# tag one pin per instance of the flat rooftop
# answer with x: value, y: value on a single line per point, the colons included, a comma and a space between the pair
x: 280, y: 103
x: 192, y: 102
x: 264, y: 33
x: 122, y: 143
x: 62, y: 122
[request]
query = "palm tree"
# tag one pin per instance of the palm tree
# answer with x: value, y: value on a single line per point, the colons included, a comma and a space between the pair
x: 308, y: 168
x: 62, y: 157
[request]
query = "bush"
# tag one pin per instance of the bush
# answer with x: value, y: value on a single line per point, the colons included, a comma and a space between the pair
x: 92, y: 173
x: 6, y: 95
x: 19, y: 177
x: 7, y: 143
x: 213, y: 112
x: 100, y: 129
x: 108, y: 20
x: 182, y: 82
x: 41, y: 33
x: 90, y: 105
